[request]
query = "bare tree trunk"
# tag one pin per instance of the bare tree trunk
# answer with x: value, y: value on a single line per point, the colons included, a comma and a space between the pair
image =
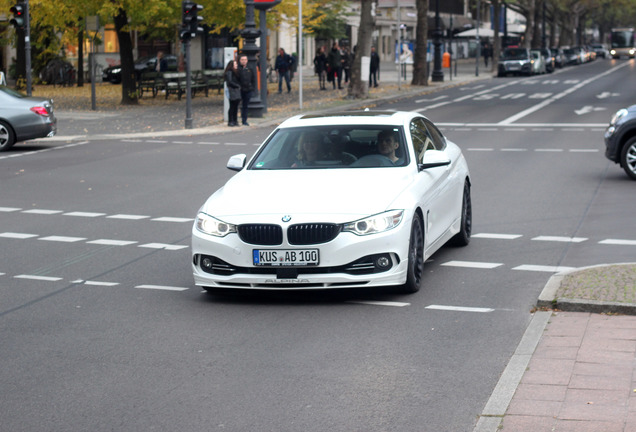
x: 359, y: 89
x: 128, y: 80
x: 80, y: 58
x: 527, y: 43
x: 421, y: 42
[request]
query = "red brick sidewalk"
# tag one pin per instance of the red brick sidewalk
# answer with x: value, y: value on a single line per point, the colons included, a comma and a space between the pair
x: 582, y: 377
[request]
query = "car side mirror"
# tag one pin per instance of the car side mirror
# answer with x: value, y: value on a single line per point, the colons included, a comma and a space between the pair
x: 433, y: 159
x: 237, y: 162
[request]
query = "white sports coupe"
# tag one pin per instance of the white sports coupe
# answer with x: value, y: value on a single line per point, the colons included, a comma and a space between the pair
x: 342, y: 200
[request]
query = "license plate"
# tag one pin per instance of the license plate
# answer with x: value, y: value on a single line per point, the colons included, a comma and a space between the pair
x: 285, y: 257
x: 514, y: 67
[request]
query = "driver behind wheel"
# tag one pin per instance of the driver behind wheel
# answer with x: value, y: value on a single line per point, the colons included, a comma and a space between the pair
x: 388, y: 144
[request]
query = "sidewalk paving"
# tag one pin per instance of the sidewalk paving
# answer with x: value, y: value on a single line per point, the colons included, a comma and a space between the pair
x: 574, y: 369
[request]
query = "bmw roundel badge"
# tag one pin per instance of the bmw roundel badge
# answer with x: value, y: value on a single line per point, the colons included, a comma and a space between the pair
x: 286, y: 218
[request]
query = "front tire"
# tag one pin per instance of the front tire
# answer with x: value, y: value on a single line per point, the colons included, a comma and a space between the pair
x: 628, y: 158
x: 415, y: 258
x: 7, y: 137
x: 462, y: 238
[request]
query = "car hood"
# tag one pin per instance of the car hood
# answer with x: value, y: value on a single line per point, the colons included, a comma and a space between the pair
x: 344, y: 194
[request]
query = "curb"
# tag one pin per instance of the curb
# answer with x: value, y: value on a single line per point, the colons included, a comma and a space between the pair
x: 548, y: 297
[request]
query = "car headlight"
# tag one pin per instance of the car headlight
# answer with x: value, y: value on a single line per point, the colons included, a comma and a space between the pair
x: 116, y: 70
x: 619, y: 115
x: 375, y: 224
x: 209, y: 225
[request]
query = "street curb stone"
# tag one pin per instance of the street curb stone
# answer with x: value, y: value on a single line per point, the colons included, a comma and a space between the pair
x: 549, y: 296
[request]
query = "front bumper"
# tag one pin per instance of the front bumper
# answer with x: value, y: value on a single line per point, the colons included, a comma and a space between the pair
x: 348, y: 261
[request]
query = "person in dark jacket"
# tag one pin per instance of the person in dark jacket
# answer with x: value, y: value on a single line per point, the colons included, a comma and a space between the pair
x: 347, y: 61
x: 320, y: 67
x: 233, y: 91
x: 247, y: 80
x: 283, y: 65
x: 374, y: 69
x: 334, y: 62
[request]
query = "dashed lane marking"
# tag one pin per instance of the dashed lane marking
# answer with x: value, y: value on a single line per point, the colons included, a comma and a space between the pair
x: 127, y: 217
x: 560, y: 239
x: 161, y: 287
x: 460, y: 309
x: 64, y: 239
x: 497, y: 236
x: 472, y: 264
x: 108, y: 242
x: 84, y: 214
x: 163, y: 246
x: 379, y: 303
x: 540, y: 268
x: 17, y: 235
x: 36, y: 277
x: 618, y: 242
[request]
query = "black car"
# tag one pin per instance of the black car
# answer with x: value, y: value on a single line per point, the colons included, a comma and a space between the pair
x: 620, y: 140
x: 144, y: 64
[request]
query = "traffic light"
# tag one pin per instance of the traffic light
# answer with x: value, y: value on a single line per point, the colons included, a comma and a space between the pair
x: 190, y: 19
x: 18, y: 20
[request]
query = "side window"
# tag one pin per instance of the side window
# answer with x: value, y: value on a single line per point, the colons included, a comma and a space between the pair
x: 438, y: 139
x: 421, y: 138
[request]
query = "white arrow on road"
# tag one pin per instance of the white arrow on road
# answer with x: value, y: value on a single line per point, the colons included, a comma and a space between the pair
x: 588, y: 109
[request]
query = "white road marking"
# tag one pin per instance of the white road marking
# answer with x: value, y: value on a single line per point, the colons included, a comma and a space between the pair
x: 35, y: 277
x: 161, y: 287
x: 540, y: 268
x: 95, y: 283
x: 84, y: 214
x: 459, y: 308
x: 481, y: 149
x: 497, y: 236
x: 42, y: 211
x: 548, y: 150
x: 182, y: 142
x: 17, y: 235
x: 560, y: 239
x: 172, y: 219
x: 163, y: 246
x: 526, y: 112
x: 618, y: 242
x: 108, y: 242
x: 207, y: 143
x: 127, y: 217
x: 583, y: 150
x: 472, y: 264
x: 379, y: 303
x: 8, y: 209
x: 64, y: 239
x: 514, y: 150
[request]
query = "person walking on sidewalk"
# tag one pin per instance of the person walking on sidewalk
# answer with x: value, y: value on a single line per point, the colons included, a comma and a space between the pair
x: 247, y: 80
x: 283, y: 65
x: 334, y: 61
x: 233, y: 91
x: 320, y: 67
x: 374, y: 68
x: 347, y: 60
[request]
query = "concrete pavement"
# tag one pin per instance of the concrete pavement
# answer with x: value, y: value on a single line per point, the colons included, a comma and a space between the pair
x: 572, y: 371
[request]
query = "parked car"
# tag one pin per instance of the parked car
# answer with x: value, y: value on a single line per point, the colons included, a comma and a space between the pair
x: 572, y: 56
x: 549, y: 60
x: 514, y: 61
x: 600, y: 50
x: 620, y: 140
x: 559, y: 57
x: 24, y: 118
x: 342, y: 200
x: 144, y: 64
x: 538, y: 62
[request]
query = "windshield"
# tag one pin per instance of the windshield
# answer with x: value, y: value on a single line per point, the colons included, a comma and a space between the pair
x: 514, y: 54
x: 622, y: 39
x: 326, y: 147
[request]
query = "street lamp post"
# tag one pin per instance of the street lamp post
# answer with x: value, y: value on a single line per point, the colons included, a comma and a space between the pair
x: 249, y: 34
x: 438, y: 74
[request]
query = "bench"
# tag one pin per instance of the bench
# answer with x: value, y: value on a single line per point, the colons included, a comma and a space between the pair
x: 175, y: 82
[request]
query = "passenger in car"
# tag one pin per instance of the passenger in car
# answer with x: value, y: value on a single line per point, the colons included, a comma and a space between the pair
x: 388, y: 145
x: 310, y: 150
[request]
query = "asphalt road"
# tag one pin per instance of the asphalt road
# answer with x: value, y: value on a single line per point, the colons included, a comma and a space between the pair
x: 102, y: 329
